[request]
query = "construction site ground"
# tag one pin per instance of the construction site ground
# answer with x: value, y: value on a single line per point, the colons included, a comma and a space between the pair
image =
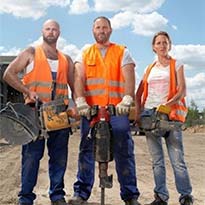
x: 194, y: 147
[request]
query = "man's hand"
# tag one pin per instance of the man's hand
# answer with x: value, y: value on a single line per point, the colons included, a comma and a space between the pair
x: 82, y: 107
x: 123, y: 107
x: 32, y: 96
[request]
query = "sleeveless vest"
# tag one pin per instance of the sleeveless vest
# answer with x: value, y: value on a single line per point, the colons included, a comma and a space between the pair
x: 40, y: 78
x: 178, y: 110
x: 104, y: 79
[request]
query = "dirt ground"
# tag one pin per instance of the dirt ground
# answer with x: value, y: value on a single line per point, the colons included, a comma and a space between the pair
x: 194, y: 145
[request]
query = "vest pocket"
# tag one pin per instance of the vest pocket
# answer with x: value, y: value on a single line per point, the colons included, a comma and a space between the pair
x: 91, y: 71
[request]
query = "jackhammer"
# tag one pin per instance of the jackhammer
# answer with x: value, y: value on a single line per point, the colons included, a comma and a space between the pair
x: 103, y: 144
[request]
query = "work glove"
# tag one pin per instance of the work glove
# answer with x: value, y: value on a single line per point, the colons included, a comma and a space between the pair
x: 123, y: 107
x: 82, y: 107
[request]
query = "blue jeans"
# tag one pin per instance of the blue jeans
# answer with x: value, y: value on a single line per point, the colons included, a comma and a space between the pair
x: 174, y: 144
x: 124, y: 159
x: 32, y: 153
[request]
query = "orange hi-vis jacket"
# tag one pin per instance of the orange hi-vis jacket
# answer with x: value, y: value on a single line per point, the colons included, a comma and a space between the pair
x: 40, y: 78
x: 104, y: 83
x: 178, y: 110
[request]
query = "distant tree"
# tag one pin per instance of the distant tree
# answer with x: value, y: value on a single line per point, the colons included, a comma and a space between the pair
x: 203, y: 113
x: 193, y: 114
x: 203, y: 116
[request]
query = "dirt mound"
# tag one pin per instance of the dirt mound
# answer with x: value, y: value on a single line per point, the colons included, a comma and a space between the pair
x: 196, y: 129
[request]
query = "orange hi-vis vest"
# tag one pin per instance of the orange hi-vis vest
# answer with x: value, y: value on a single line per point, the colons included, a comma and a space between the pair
x: 178, y: 110
x: 40, y: 78
x: 104, y: 79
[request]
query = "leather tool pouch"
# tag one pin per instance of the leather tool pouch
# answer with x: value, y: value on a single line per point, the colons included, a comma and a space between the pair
x: 54, y: 115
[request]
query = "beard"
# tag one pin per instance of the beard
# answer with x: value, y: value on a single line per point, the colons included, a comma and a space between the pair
x: 102, y: 37
x: 50, y: 39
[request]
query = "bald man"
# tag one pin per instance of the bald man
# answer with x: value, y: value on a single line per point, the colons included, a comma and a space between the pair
x: 47, y: 75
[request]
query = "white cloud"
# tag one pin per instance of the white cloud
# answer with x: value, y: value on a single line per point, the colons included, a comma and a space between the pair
x: 37, y: 42
x: 62, y: 3
x: 1, y: 48
x: 64, y: 46
x: 67, y: 48
x: 139, y: 15
x: 136, y: 14
x: 119, y: 5
x: 79, y: 7
x: 128, y: 5
x: 142, y: 24
x: 121, y: 20
x: 174, y: 27
x: 29, y: 8
x: 22, y: 9
x: 38, y: 8
x: 192, y: 55
x: 148, y: 24
x: 11, y: 52
x: 196, y: 90
x: 193, y: 58
x: 196, y: 81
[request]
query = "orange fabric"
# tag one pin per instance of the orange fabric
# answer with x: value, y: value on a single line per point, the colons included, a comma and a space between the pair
x: 104, y: 79
x: 40, y: 78
x: 178, y: 110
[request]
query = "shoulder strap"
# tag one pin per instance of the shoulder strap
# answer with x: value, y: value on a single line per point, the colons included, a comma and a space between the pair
x: 145, y: 84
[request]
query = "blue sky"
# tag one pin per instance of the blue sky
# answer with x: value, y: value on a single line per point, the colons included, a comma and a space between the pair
x: 134, y: 23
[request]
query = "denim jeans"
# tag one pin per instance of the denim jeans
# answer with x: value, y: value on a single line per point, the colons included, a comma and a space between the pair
x: 174, y: 144
x: 32, y: 153
x: 123, y: 154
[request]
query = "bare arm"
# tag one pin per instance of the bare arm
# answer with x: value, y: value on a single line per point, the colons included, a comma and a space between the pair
x: 79, y: 80
x: 138, y: 100
x: 129, y: 75
x: 79, y: 90
x: 71, y: 75
x: 17, y: 66
x: 181, y: 87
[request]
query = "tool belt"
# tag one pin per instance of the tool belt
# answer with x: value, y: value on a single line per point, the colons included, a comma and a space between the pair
x: 54, y: 115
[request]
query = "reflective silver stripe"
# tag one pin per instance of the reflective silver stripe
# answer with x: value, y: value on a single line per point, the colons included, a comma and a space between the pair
x: 65, y: 97
x: 95, y: 92
x: 39, y: 84
x: 116, y: 94
x: 95, y: 81
x: 47, y: 95
x: 44, y: 95
x: 116, y: 83
x: 47, y: 85
x: 61, y: 86
x: 181, y: 112
x: 102, y: 92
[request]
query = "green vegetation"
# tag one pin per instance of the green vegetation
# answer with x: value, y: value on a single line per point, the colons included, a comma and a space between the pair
x: 194, y: 116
